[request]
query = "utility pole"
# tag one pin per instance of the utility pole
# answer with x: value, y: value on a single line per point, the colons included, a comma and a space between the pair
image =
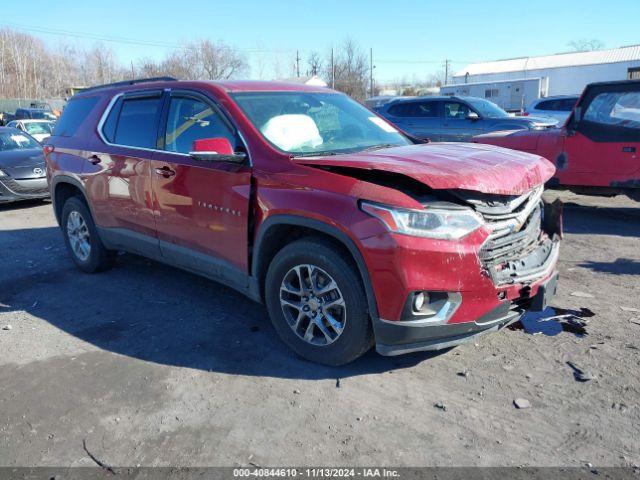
x: 297, y: 63
x: 333, y: 71
x: 446, y: 65
x: 371, y: 72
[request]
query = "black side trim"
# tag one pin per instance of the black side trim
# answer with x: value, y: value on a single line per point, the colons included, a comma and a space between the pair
x: 177, y: 256
x: 323, y: 228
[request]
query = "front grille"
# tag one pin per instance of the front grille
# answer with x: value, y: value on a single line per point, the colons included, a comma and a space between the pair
x: 517, y: 249
x: 21, y: 190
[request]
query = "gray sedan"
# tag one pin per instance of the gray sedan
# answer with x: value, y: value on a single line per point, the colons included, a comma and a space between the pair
x: 455, y: 119
x: 22, y: 168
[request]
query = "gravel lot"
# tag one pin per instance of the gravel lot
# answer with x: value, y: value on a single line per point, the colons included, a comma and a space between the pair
x: 153, y: 366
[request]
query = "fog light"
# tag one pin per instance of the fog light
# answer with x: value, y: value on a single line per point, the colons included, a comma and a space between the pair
x: 418, y: 301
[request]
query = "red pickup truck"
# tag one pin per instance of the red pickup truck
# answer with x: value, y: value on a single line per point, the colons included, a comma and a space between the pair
x: 303, y: 199
x: 597, y: 151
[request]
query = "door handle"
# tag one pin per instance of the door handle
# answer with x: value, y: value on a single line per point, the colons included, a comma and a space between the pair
x: 94, y: 159
x: 165, y: 172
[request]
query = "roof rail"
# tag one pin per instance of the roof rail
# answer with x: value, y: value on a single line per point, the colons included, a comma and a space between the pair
x: 130, y: 82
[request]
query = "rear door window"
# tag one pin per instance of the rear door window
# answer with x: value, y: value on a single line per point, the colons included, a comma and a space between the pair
x: 73, y: 115
x: 415, y: 109
x: 567, y: 104
x: 137, y: 123
x: 547, y: 105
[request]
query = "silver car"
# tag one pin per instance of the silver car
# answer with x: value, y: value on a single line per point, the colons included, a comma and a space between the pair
x: 22, y: 169
x: 558, y: 107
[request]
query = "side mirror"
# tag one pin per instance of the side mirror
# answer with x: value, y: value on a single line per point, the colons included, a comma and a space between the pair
x: 473, y: 116
x: 217, y: 149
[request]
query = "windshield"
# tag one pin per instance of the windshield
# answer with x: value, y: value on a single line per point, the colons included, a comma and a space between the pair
x: 304, y: 123
x: 36, y: 128
x: 15, y: 140
x: 486, y: 108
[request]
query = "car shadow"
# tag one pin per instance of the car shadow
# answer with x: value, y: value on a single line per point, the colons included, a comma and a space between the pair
x: 22, y: 204
x: 620, y: 266
x: 620, y: 221
x: 148, y: 311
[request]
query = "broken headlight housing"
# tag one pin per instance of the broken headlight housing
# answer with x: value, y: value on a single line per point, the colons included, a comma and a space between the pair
x: 438, y: 223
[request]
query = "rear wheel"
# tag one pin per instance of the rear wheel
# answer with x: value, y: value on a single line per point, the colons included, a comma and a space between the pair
x: 82, y: 240
x: 317, y: 303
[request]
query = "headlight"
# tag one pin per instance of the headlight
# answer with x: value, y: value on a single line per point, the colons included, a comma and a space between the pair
x: 2, y: 174
x: 437, y: 223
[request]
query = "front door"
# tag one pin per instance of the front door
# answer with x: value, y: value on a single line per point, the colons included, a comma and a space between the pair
x: 603, y: 147
x: 202, y: 206
x: 456, y: 126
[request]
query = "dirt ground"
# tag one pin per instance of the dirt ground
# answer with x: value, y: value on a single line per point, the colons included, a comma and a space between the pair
x: 153, y: 366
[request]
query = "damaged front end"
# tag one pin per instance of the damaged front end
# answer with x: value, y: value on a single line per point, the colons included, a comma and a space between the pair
x: 524, y: 242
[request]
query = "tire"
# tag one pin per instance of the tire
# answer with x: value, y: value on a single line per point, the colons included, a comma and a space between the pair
x: 76, y: 219
x: 329, y: 267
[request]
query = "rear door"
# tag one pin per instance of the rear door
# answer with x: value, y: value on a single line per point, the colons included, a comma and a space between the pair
x: 117, y: 172
x: 456, y: 127
x: 202, y: 217
x: 603, y: 147
x: 419, y: 118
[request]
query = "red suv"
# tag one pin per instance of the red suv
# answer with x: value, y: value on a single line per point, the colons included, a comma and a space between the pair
x: 303, y: 199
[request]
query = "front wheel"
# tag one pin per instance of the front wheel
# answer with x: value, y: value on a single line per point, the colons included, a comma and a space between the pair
x: 82, y: 240
x: 317, y: 302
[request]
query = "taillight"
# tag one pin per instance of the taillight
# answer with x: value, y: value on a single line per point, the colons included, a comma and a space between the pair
x: 48, y: 149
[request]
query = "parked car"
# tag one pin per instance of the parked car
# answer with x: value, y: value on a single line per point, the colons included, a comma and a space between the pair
x: 557, y: 108
x: 597, y: 149
x: 22, y: 168
x: 305, y: 200
x: 379, y: 100
x: 454, y: 119
x: 38, y: 129
x: 35, y: 113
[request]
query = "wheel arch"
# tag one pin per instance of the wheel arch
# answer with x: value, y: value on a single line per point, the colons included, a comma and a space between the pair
x: 64, y: 187
x: 275, y: 233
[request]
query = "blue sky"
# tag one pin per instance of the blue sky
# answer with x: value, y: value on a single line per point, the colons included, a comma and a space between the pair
x: 410, y: 38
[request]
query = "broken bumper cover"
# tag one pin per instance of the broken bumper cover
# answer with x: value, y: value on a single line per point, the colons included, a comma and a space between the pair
x: 398, y: 338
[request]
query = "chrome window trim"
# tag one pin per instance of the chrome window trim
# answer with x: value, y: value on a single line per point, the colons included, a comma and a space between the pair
x: 113, y: 101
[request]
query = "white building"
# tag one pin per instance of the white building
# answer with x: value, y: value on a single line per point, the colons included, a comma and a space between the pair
x: 560, y: 74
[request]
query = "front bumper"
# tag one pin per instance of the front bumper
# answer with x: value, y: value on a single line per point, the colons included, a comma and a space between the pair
x: 27, y: 189
x: 394, y: 339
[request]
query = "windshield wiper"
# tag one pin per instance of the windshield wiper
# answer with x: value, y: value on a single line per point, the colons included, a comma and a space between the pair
x: 378, y: 147
x: 313, y: 154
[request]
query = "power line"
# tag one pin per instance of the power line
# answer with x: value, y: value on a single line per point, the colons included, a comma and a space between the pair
x: 423, y: 61
x: 176, y: 46
x: 123, y: 40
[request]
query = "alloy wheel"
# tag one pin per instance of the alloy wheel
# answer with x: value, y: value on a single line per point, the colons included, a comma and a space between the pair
x: 313, y: 304
x: 79, y: 238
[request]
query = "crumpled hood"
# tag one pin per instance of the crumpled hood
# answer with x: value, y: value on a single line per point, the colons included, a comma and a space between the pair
x: 482, y: 168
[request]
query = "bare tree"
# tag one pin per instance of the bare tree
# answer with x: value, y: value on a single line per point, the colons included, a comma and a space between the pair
x: 314, y: 63
x: 203, y: 60
x: 29, y: 69
x: 586, y: 45
x: 351, y: 70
